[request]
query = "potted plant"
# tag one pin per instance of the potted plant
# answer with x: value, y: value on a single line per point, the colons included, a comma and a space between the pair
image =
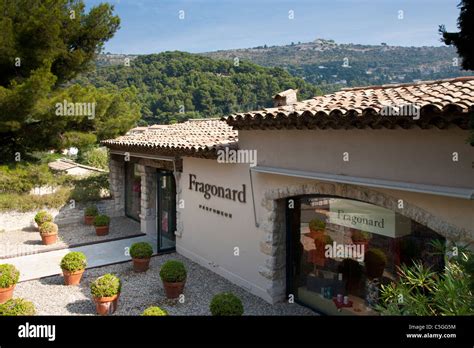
x: 17, y: 307
x: 154, y: 311
x: 361, y: 238
x: 317, y: 255
x: 49, y: 232
x: 141, y: 254
x: 101, y: 223
x: 106, y: 292
x: 317, y: 228
x: 375, y: 261
x: 89, y: 214
x: 173, y: 275
x: 9, y: 276
x: 43, y: 216
x: 73, y: 265
x: 226, y: 304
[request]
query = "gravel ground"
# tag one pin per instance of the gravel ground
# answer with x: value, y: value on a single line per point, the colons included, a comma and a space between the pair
x: 141, y: 290
x: 26, y: 241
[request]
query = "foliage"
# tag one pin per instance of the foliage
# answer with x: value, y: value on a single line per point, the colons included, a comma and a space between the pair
x: 154, y: 311
x: 176, y: 86
x: 101, y: 220
x: 17, y: 307
x: 141, y: 250
x: 173, y: 271
x: 97, y: 157
x: 226, y: 304
x: 48, y: 228
x: 42, y: 217
x: 74, y: 261
x: 420, y: 291
x: 22, y: 177
x: 106, y: 286
x: 9, y: 275
x: 91, y: 210
x: 317, y: 225
x: 360, y: 236
x: 81, y: 140
x: 91, y: 188
x: 25, y: 202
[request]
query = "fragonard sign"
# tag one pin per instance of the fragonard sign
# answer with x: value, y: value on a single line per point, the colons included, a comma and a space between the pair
x: 217, y: 191
x: 368, y: 217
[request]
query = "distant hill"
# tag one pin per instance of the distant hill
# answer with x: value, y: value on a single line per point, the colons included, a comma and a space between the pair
x: 175, y: 86
x: 332, y: 66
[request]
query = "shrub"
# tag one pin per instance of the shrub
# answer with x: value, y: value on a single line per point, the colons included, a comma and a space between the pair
x: 317, y: 225
x: 21, y: 178
x: 74, y: 261
x: 91, y: 210
x: 9, y: 275
x: 106, y: 286
x: 43, y: 216
x: 95, y: 157
x: 26, y: 202
x: 154, y: 311
x: 17, y: 307
x: 173, y: 271
x: 48, y: 228
x: 141, y: 250
x: 101, y: 220
x: 360, y: 236
x: 91, y: 188
x: 226, y: 304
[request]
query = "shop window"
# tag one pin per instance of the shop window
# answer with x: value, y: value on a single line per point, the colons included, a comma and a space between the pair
x: 132, y: 191
x: 341, y: 252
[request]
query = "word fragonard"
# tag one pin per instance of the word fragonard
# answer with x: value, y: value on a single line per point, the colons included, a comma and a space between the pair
x: 217, y: 191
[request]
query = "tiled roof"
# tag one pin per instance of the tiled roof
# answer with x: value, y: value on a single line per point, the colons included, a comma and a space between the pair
x: 193, y: 138
x: 441, y: 103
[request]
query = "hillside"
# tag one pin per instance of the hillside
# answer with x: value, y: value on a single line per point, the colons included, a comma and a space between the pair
x: 331, y: 66
x: 175, y: 86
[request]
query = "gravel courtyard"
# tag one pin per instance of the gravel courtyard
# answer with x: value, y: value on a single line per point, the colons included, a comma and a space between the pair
x: 140, y: 290
x: 27, y: 241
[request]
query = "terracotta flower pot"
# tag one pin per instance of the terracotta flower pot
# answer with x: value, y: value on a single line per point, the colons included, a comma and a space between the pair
x: 89, y: 219
x: 315, y: 234
x: 173, y: 290
x: 49, y: 238
x: 6, y: 293
x: 106, y: 305
x: 102, y: 230
x: 141, y: 265
x: 72, y: 278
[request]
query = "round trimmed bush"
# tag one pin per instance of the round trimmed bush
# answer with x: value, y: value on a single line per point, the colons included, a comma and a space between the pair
x: 43, y: 216
x: 154, y: 311
x: 101, y: 220
x: 48, y: 228
x: 91, y: 210
x: 226, y: 304
x: 142, y: 250
x: 360, y: 236
x: 9, y: 275
x: 173, y: 271
x: 17, y: 307
x: 74, y: 261
x: 106, y: 286
x: 317, y: 225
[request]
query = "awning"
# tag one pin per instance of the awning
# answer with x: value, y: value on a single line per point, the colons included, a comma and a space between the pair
x: 457, y: 192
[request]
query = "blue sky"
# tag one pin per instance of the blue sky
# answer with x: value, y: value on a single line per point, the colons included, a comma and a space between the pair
x: 150, y: 26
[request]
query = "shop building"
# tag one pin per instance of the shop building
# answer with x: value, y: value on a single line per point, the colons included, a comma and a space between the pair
x: 258, y: 197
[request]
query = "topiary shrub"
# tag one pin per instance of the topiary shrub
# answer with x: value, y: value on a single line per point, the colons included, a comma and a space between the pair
x: 48, y: 228
x: 173, y: 271
x: 142, y: 250
x: 9, y: 275
x: 317, y: 225
x: 154, y: 311
x: 226, y: 304
x: 106, y: 286
x: 43, y: 216
x: 74, y: 261
x: 360, y: 236
x: 17, y: 307
x: 91, y: 211
x: 101, y: 220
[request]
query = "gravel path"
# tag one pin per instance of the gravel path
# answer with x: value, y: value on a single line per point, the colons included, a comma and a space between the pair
x: 27, y: 241
x: 140, y: 290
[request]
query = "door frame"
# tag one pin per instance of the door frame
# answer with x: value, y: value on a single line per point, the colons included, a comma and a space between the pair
x: 172, y: 221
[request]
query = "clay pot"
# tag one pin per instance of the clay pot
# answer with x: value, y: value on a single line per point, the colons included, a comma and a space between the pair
x: 89, y: 219
x: 315, y: 234
x: 49, y: 238
x: 173, y: 290
x: 141, y: 265
x: 106, y: 305
x: 6, y: 293
x: 72, y: 278
x: 102, y: 230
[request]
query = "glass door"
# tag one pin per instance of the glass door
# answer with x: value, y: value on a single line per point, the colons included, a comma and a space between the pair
x: 166, y: 211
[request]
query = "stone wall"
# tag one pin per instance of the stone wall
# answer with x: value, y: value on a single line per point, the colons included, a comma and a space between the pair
x: 117, y: 185
x: 148, y: 199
